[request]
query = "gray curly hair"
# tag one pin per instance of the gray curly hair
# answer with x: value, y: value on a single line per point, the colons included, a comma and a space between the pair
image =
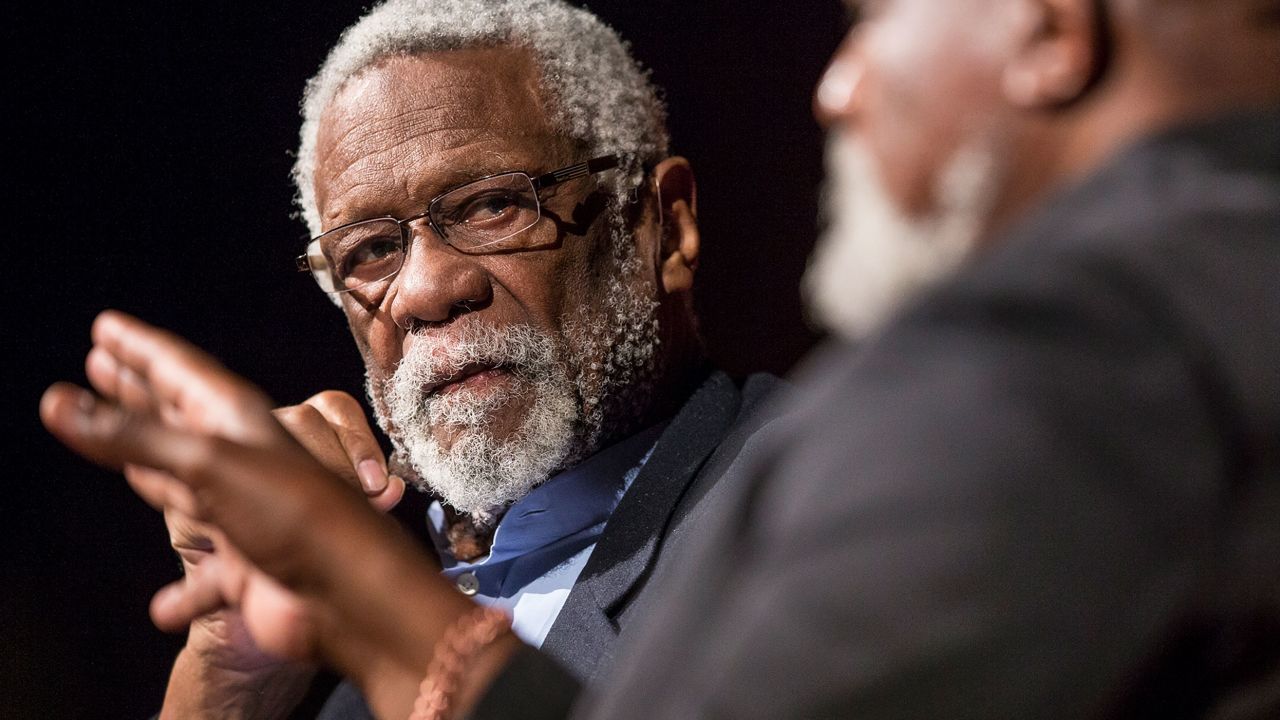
x: 596, y: 94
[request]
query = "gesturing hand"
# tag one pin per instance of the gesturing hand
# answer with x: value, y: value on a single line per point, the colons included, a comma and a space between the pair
x: 330, y: 425
x: 221, y: 670
x: 298, y: 538
x: 168, y: 407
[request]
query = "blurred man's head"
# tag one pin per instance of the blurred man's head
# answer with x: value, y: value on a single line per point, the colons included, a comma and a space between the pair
x: 522, y: 320
x: 949, y: 120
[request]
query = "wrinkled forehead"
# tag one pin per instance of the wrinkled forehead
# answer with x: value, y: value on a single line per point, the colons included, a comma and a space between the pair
x: 466, y: 110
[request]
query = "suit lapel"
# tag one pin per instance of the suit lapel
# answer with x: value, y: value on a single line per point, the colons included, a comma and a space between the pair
x: 585, y: 632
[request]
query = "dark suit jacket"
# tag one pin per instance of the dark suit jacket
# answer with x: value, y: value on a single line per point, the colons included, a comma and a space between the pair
x: 683, y: 482
x: 1050, y: 490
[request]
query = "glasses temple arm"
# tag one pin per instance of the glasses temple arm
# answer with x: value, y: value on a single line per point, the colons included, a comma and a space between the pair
x: 582, y: 169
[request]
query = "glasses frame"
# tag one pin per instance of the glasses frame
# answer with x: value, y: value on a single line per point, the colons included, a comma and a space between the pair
x: 538, y: 182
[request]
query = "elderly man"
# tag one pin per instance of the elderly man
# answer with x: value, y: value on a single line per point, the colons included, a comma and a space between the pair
x: 494, y: 210
x: 1046, y: 488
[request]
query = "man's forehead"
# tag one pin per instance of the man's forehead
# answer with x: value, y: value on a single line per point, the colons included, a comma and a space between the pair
x: 456, y: 114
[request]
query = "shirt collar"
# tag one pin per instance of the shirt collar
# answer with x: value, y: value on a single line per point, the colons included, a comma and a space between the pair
x: 554, y: 521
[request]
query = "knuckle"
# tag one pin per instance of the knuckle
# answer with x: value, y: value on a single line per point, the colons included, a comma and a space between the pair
x: 298, y: 416
x: 359, y: 437
x: 336, y: 402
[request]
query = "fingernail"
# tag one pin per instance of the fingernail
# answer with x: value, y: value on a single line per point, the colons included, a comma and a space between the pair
x: 372, y: 477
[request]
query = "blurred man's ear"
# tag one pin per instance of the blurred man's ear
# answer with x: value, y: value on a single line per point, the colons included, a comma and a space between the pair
x: 677, y: 197
x: 1058, y: 50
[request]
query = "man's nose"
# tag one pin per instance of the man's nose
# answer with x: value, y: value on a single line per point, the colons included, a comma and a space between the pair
x: 436, y: 282
x: 836, y: 98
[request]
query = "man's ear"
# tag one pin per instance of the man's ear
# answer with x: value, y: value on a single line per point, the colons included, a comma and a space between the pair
x: 1059, y: 49
x: 677, y: 197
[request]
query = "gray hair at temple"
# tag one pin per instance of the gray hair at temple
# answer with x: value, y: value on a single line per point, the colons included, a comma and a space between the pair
x: 596, y: 94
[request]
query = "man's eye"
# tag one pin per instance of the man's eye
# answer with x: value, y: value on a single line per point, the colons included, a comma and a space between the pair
x: 489, y: 207
x: 365, y: 255
x: 373, y: 250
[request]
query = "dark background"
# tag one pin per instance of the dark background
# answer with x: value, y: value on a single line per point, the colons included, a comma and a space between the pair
x: 146, y: 168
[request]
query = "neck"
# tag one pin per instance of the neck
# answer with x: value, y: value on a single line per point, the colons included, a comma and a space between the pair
x: 469, y: 537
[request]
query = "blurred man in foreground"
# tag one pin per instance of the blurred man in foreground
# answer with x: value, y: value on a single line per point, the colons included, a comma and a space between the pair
x: 1046, y: 485
x: 1049, y: 487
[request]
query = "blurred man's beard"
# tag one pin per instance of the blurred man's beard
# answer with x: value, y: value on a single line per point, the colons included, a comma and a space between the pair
x: 574, y: 386
x: 872, y: 257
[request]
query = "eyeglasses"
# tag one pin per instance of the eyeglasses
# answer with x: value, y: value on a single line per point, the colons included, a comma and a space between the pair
x: 488, y: 215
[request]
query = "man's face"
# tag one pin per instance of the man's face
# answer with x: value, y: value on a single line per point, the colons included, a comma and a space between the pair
x: 912, y: 100
x: 489, y: 372
x: 916, y: 81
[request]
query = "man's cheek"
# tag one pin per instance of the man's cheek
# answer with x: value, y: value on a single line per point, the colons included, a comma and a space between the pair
x: 379, y: 350
x: 358, y: 323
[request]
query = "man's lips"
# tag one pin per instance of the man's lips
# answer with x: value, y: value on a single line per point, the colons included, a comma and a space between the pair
x: 470, y: 375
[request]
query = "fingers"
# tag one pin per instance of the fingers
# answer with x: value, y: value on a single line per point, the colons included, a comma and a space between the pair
x: 109, y: 436
x: 165, y: 466
x: 346, y: 417
x: 159, y: 489
x: 263, y: 499
x: 194, y: 541
x: 106, y: 434
x: 138, y: 364
x: 314, y: 433
x: 188, y: 470
x: 197, y: 593
x: 391, y: 496
x: 117, y: 382
x: 333, y: 423
x: 348, y: 420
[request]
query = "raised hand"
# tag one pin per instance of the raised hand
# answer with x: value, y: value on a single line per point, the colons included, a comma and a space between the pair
x: 221, y: 670
x: 152, y: 382
x: 297, y: 538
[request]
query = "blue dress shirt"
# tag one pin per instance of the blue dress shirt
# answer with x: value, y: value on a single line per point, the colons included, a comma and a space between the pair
x: 543, y: 541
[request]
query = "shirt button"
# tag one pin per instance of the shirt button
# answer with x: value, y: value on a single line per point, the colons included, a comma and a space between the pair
x: 468, y: 584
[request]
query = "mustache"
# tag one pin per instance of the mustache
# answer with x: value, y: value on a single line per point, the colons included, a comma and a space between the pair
x: 434, y: 359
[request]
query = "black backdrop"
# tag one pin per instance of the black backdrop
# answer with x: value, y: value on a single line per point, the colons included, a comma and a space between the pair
x: 146, y: 168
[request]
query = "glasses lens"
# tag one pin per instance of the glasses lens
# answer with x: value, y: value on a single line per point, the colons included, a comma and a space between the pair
x: 354, y: 255
x: 488, y: 213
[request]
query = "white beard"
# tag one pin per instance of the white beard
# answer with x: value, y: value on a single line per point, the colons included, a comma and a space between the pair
x: 578, y: 383
x: 479, y: 472
x: 872, y: 258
